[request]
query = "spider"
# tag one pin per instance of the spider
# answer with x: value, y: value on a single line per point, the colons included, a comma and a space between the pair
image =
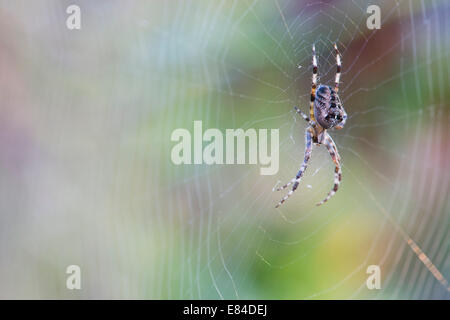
x: 325, y: 112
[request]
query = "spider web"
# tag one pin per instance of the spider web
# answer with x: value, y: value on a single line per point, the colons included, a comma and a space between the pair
x: 103, y: 193
x: 395, y: 182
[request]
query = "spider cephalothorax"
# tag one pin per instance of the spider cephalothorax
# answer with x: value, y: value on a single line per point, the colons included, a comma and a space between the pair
x: 325, y: 112
x: 328, y: 109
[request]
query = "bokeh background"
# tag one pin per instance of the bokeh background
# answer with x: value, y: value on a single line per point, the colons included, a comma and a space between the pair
x: 85, y: 171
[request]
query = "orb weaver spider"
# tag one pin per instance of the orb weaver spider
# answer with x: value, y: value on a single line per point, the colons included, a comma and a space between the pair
x: 325, y: 112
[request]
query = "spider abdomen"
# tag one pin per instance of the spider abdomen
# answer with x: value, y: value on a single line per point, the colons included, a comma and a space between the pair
x: 328, y: 109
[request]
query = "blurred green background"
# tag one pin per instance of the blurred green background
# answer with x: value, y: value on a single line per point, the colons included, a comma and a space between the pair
x: 86, y: 176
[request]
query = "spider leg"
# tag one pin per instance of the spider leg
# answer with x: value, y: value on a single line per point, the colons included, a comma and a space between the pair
x: 338, y: 68
x: 296, y: 180
x: 332, y: 149
x: 314, y: 85
x: 336, y: 85
x: 304, y: 116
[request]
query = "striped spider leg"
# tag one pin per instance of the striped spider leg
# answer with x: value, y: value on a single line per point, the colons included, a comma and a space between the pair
x: 298, y: 177
x: 336, y: 85
x: 332, y: 150
x: 314, y: 84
